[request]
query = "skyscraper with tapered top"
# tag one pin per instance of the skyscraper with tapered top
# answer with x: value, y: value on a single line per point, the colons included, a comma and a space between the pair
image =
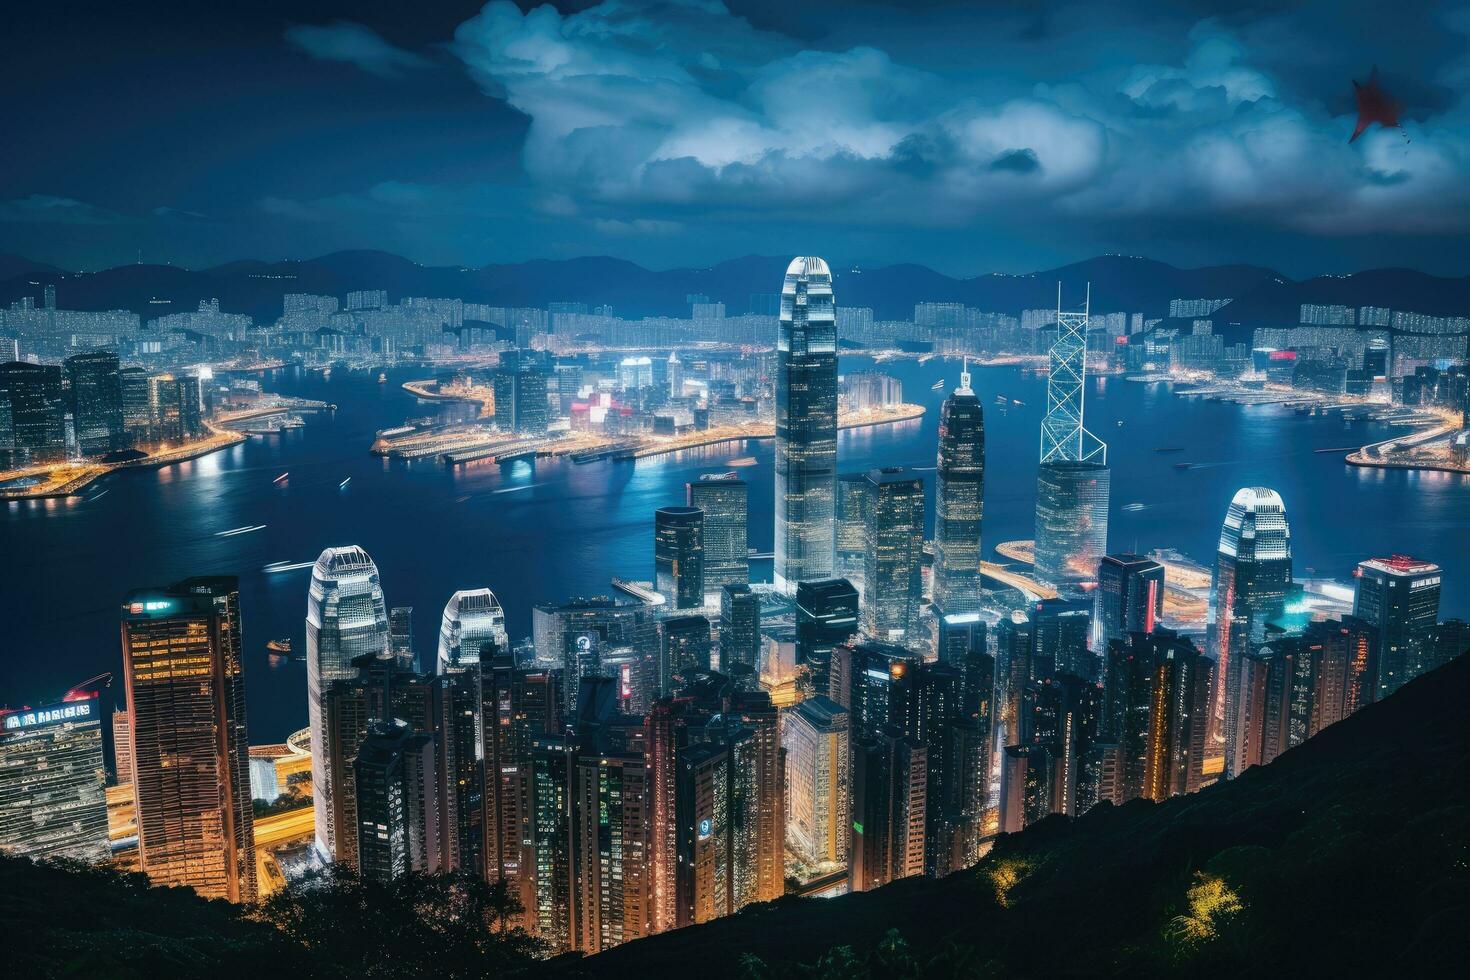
x: 1073, y: 483
x: 472, y: 619
x: 1252, y: 577
x: 346, y: 617
x: 959, y: 494
x: 806, y: 425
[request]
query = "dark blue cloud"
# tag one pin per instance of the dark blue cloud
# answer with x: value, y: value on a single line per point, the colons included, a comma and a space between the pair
x: 354, y: 44
x: 1017, y: 161
x: 972, y: 136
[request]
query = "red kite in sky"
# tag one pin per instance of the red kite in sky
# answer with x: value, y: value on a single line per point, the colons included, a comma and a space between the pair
x: 1374, y: 106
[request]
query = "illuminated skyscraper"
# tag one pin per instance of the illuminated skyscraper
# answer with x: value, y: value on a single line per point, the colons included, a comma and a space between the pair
x: 397, y: 803
x: 182, y: 659
x: 346, y: 618
x: 400, y: 636
x: 678, y: 556
x: 826, y: 615
x: 1129, y: 598
x: 1073, y: 482
x: 892, y: 583
x: 1252, y: 576
x: 32, y: 423
x: 520, y: 397
x: 959, y: 494
x: 1061, y: 631
x: 685, y: 650
x: 814, y: 735
x: 740, y: 627
x: 95, y: 399
x: 52, y: 781
x: 610, y: 828
x: 852, y: 526
x: 722, y: 497
x: 519, y: 704
x: 806, y: 425
x: 472, y: 619
x: 889, y: 809
x: 1071, y: 523
x: 1180, y: 682
x: 1400, y: 596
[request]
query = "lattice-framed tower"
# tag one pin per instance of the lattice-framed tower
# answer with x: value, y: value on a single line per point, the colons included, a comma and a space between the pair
x: 1063, y: 436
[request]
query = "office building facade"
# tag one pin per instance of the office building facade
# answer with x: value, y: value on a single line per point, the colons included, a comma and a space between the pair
x: 346, y: 618
x: 678, y: 556
x: 959, y: 498
x: 892, y: 582
x: 1071, y: 523
x: 52, y: 781
x: 724, y: 500
x: 806, y: 425
x: 1251, y: 581
x: 183, y: 663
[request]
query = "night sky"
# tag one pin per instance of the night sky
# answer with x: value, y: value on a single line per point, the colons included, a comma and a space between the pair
x: 970, y: 137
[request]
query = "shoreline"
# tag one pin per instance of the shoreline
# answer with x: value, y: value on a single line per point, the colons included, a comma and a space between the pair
x: 94, y: 472
x: 902, y: 413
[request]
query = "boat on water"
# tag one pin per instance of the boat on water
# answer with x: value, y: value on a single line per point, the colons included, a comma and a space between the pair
x: 291, y: 422
x: 1133, y: 507
x: 743, y: 461
x: 1000, y: 400
x: 382, y: 378
x: 281, y: 477
x: 279, y: 648
x: 1183, y: 466
x: 344, y: 483
x: 1017, y: 401
x: 937, y: 386
x: 1168, y: 449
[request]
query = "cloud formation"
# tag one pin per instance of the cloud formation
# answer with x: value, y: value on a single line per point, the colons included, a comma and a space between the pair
x: 678, y: 107
x: 354, y: 44
x: 49, y: 209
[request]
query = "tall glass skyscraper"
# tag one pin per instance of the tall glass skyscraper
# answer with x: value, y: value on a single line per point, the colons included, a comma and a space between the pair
x: 472, y: 618
x: 806, y: 425
x: 1129, y: 599
x: 1073, y: 483
x: 32, y: 426
x: 1071, y: 523
x: 959, y: 494
x: 892, y: 585
x: 1252, y: 576
x: 678, y: 556
x: 346, y: 618
x: 1400, y: 596
x: 723, y: 498
x: 95, y: 399
x: 183, y: 662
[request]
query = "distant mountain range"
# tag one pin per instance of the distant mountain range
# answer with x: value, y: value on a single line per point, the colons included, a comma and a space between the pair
x: 1119, y: 284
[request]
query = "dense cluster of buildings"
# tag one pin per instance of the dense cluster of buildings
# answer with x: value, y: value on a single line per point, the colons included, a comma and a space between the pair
x: 645, y: 765
x: 90, y: 406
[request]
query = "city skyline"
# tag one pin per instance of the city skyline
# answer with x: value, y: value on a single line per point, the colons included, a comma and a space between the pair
x: 833, y: 568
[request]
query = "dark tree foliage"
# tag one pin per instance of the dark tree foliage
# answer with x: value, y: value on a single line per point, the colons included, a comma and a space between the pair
x: 61, y: 919
x: 441, y: 925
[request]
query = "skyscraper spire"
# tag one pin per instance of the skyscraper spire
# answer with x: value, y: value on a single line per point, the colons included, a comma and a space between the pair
x: 964, y: 388
x: 1063, y: 436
